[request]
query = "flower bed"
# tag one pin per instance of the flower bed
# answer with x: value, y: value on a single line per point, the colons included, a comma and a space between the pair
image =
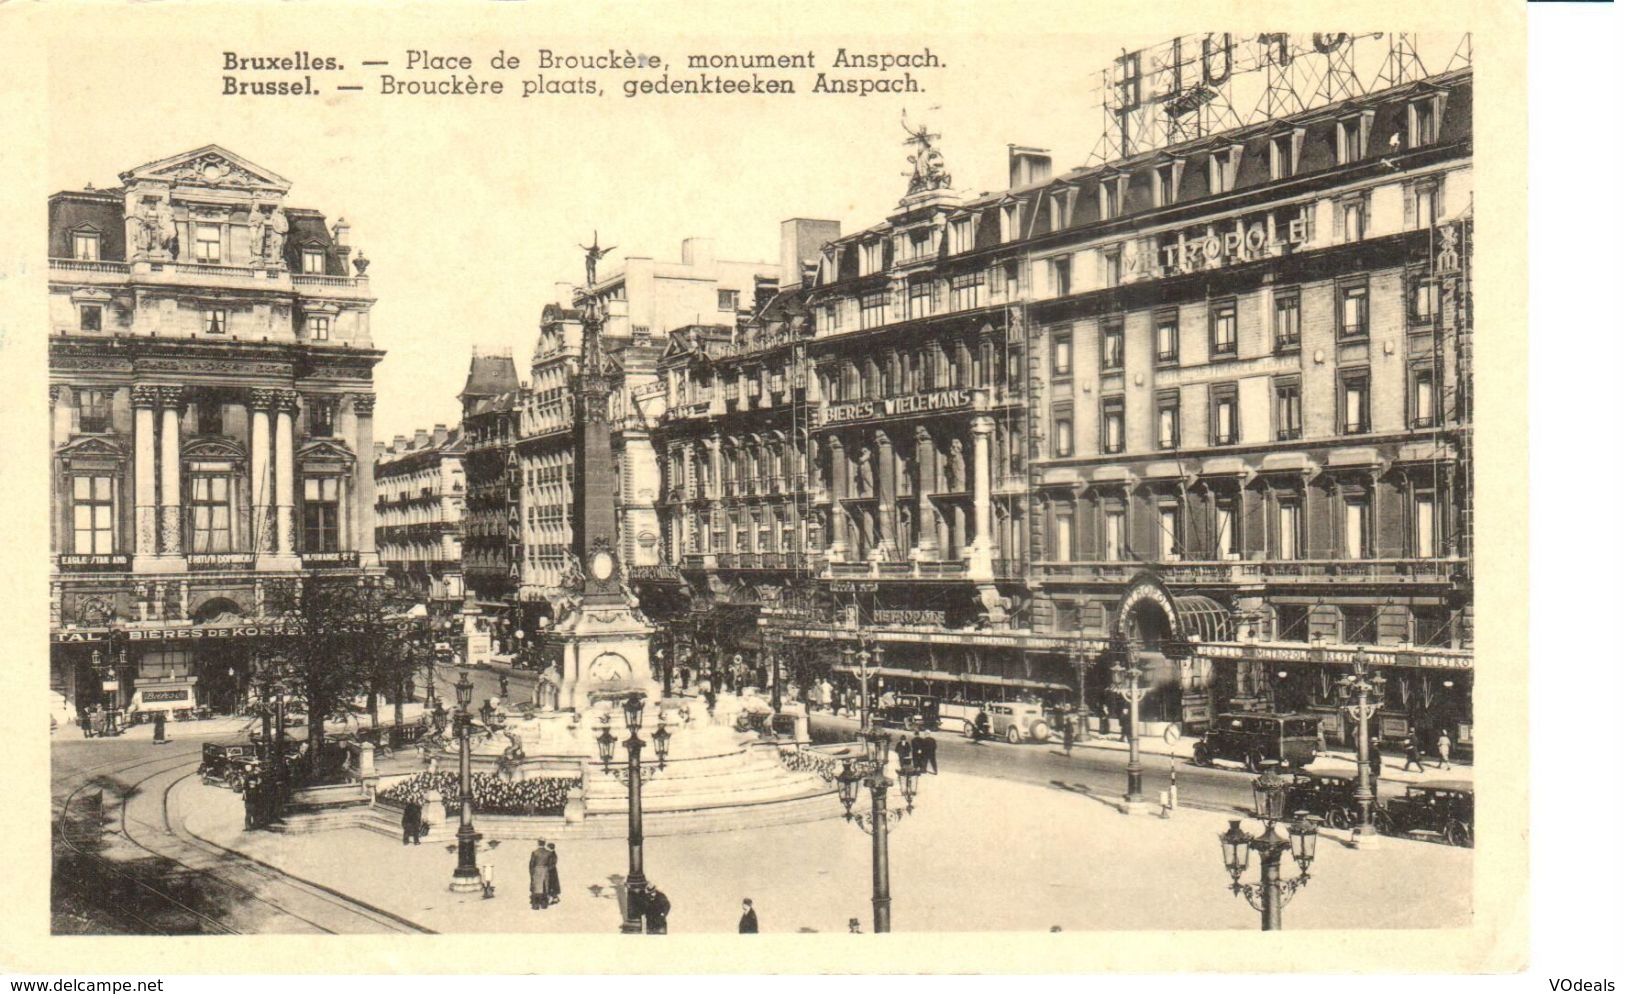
x: 492, y: 795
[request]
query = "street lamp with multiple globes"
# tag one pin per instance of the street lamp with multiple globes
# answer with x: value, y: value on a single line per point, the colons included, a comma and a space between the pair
x: 633, y: 775
x: 864, y: 657
x: 870, y: 772
x: 1362, y: 693
x: 466, y: 878
x: 1126, y: 684
x: 1271, y: 893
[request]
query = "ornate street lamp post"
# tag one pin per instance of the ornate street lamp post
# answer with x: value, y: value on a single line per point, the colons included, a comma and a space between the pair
x: 1362, y: 692
x: 633, y: 774
x: 864, y: 657
x: 1271, y: 893
x: 466, y: 878
x: 870, y: 772
x: 774, y: 648
x: 1126, y: 684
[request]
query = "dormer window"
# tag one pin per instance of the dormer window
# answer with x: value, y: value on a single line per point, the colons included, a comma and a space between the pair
x: 1167, y: 184
x: 1351, y: 139
x: 1058, y: 209
x: 919, y: 243
x: 1284, y: 154
x: 87, y: 246
x: 313, y: 261
x: 961, y: 236
x: 872, y: 257
x: 1111, y: 197
x: 1221, y: 171
x: 1010, y: 222
x: 1424, y: 122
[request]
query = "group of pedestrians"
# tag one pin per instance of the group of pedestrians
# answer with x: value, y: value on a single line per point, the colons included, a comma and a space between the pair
x: 916, y: 752
x: 1413, y: 751
x: 544, y: 876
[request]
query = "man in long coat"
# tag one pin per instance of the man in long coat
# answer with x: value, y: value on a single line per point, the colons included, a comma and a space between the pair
x: 538, y: 876
x: 412, y: 823
x: 554, y: 891
x: 656, y: 906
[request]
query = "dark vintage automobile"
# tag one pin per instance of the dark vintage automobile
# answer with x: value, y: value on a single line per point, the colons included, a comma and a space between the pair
x: 1255, y: 738
x: 910, y: 711
x: 225, y: 763
x: 1332, y: 798
x: 1440, y: 810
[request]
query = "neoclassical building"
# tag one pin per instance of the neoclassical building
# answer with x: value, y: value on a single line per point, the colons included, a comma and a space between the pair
x: 211, y: 433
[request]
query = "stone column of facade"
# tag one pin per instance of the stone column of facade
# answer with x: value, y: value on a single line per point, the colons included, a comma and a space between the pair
x: 287, y: 402
x: 144, y: 400
x: 886, y: 491
x: 259, y: 467
x: 925, y: 461
x: 838, y: 478
x: 366, y: 489
x: 172, y: 400
x: 981, y: 428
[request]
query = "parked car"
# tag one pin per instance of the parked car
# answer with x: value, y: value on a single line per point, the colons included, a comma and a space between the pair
x: 225, y: 763
x: 909, y: 711
x: 1332, y: 798
x: 1442, y: 810
x: 1254, y: 738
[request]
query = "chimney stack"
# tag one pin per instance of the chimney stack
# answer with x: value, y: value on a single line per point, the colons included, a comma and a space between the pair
x: 1028, y: 165
x: 699, y: 252
x: 421, y: 440
x: 341, y: 233
x: 440, y: 434
x: 801, y: 241
x: 399, y: 445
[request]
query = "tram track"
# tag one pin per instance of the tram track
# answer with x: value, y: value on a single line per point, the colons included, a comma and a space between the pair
x: 259, y: 894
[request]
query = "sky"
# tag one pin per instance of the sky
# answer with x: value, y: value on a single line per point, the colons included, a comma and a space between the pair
x: 472, y: 208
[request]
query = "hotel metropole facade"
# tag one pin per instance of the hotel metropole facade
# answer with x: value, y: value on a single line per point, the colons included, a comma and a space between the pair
x: 1209, y: 403
x: 211, y: 426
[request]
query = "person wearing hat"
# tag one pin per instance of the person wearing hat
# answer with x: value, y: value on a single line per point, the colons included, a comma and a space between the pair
x: 747, y: 919
x: 656, y: 906
x: 538, y: 876
x: 554, y: 891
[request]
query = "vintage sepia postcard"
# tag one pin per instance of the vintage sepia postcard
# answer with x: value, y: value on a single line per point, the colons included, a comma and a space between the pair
x: 585, y: 473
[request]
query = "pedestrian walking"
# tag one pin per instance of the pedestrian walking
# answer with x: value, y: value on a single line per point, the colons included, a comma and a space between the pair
x: 926, y: 753
x: 502, y: 686
x: 158, y: 727
x: 916, y: 748
x: 1444, y: 751
x: 412, y: 823
x: 979, y: 728
x: 854, y: 927
x: 684, y: 674
x: 747, y: 919
x: 538, y: 876
x: 1413, y: 753
x: 1069, y: 733
x: 85, y: 722
x: 905, y: 753
x: 656, y: 907
x: 555, y: 892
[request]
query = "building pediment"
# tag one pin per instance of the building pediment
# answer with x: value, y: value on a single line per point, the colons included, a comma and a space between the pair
x: 325, y: 451
x: 212, y: 167
x: 213, y: 447
x: 92, y: 447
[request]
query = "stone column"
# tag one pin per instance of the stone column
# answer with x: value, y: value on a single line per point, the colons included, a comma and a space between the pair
x: 146, y: 469
x: 925, y: 461
x: 172, y: 399
x: 287, y: 402
x: 838, y: 479
x: 365, y: 490
x: 259, y: 468
x: 886, y: 492
x: 981, y: 428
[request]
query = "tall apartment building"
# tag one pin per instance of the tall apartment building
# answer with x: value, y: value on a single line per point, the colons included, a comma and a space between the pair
x: 491, y: 513
x: 1209, y: 401
x: 211, y: 431
x: 421, y: 493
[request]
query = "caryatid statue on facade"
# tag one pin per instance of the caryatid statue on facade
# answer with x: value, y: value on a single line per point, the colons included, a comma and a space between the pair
x: 256, y: 232
x: 956, y: 465
x: 277, y: 233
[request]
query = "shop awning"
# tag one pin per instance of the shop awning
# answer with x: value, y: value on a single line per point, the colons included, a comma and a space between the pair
x: 941, y: 676
x: 1203, y: 618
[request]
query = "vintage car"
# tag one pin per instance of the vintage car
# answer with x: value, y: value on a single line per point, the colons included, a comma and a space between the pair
x: 1440, y: 810
x: 1254, y: 738
x: 1332, y: 798
x: 909, y: 711
x: 225, y: 763
x: 1013, y: 721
